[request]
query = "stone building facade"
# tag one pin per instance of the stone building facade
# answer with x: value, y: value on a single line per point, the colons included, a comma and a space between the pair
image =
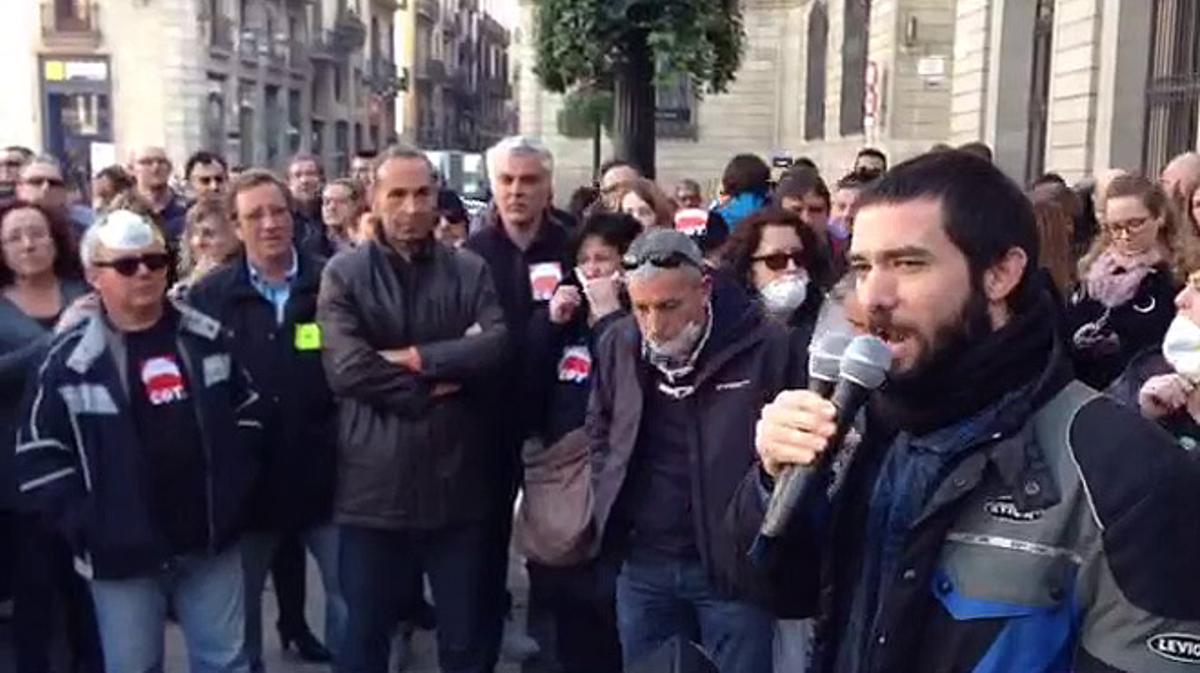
x: 1073, y: 86
x: 255, y: 80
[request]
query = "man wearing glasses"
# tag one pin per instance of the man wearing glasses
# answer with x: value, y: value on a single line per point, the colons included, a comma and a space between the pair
x: 677, y: 386
x: 41, y: 183
x: 139, y: 444
x: 12, y: 159
x: 152, y: 171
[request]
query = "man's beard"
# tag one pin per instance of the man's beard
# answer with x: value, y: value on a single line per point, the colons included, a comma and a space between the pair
x: 950, y: 340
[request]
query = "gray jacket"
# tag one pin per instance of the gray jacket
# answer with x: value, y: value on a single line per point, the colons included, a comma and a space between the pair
x: 408, y: 459
x: 23, y: 345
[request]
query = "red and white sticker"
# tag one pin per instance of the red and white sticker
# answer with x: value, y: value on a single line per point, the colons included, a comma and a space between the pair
x: 575, y: 365
x: 163, y: 380
x: 544, y: 279
x: 692, y: 221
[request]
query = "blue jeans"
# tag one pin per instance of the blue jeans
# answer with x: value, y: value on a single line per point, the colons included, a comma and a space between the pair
x: 376, y: 571
x: 659, y: 597
x: 257, y: 551
x: 206, y: 593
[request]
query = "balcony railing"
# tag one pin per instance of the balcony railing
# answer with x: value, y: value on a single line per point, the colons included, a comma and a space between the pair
x: 436, y: 70
x: 80, y: 25
x: 349, y: 31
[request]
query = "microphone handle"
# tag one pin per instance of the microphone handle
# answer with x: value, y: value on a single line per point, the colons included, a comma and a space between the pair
x: 792, y: 484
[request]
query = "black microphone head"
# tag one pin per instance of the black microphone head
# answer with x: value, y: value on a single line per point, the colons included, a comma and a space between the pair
x: 825, y: 357
x: 866, y: 362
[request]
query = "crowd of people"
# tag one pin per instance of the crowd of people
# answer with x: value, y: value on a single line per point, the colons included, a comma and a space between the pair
x: 200, y: 383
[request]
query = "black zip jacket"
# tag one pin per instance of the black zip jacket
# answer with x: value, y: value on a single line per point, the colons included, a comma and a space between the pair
x: 295, y: 488
x: 406, y: 458
x: 78, y: 455
x: 1068, y: 545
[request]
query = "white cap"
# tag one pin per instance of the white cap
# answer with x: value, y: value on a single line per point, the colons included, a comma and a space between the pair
x: 119, y: 231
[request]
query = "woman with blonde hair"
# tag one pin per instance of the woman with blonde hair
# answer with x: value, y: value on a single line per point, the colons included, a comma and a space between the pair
x: 208, y: 241
x: 1128, y: 280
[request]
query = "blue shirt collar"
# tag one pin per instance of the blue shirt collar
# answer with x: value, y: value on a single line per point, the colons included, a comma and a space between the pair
x: 257, y: 279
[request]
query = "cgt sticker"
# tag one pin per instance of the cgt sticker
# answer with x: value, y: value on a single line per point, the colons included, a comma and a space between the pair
x: 1003, y: 507
x: 1181, y: 647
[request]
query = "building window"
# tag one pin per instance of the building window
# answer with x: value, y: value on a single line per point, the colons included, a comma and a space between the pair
x: 674, y: 108
x: 1173, y: 89
x: 857, y: 26
x: 1039, y: 90
x: 339, y: 85
x: 814, y: 83
x: 214, y: 115
x: 294, y: 121
x: 272, y: 118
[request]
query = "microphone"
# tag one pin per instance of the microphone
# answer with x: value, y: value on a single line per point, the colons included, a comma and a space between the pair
x: 824, y: 363
x: 864, y: 367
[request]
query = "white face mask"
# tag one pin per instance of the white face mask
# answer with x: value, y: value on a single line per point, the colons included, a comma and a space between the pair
x: 785, y: 294
x: 1181, y: 347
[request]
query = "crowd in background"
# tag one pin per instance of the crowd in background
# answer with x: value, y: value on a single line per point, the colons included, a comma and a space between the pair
x: 200, y: 382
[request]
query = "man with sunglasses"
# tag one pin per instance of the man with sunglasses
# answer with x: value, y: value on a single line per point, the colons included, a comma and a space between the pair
x: 140, y: 443
x: 12, y: 159
x: 152, y: 172
x: 676, y: 387
x: 41, y: 182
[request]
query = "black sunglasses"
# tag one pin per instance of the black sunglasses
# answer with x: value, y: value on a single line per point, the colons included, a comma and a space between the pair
x: 779, y: 261
x: 670, y: 260
x: 128, y: 266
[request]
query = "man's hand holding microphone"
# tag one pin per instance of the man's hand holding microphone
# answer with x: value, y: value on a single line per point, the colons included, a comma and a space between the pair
x: 800, y: 430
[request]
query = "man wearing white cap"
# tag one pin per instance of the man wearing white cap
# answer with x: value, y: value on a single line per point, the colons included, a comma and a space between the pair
x: 139, y: 444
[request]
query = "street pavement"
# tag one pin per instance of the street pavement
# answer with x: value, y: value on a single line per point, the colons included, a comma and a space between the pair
x: 423, y: 652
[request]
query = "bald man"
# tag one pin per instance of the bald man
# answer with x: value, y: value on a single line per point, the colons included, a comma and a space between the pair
x: 1180, y: 179
x: 152, y: 173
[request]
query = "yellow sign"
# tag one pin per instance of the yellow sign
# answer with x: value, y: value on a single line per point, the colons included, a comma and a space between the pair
x: 308, y: 336
x: 56, y: 71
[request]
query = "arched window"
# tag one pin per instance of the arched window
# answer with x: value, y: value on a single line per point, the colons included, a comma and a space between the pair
x: 814, y: 83
x: 856, y: 29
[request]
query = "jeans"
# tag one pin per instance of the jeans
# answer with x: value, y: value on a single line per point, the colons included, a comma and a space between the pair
x: 659, y: 597
x: 258, y: 549
x: 206, y: 593
x: 377, y: 567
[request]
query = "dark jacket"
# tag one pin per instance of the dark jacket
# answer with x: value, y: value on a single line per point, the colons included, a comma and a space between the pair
x: 78, y: 454
x: 1144, y: 366
x: 295, y: 489
x: 746, y: 362
x: 511, y: 414
x: 407, y: 459
x: 1068, y: 545
x: 23, y: 344
x: 1138, y: 324
x: 559, y: 370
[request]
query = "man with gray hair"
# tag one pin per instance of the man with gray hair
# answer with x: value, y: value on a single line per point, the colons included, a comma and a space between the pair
x: 152, y: 171
x: 1181, y: 178
x: 677, y: 386
x: 139, y: 443
x: 524, y: 241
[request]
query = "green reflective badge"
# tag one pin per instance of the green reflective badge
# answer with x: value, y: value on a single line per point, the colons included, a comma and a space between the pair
x: 308, y: 336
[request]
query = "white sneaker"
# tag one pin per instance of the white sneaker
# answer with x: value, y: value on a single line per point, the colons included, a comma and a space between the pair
x: 517, y: 646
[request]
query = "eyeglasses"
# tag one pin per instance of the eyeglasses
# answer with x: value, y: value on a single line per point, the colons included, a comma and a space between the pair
x: 43, y: 182
x: 128, y: 266
x: 1127, y: 228
x: 668, y: 260
x: 778, y: 261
